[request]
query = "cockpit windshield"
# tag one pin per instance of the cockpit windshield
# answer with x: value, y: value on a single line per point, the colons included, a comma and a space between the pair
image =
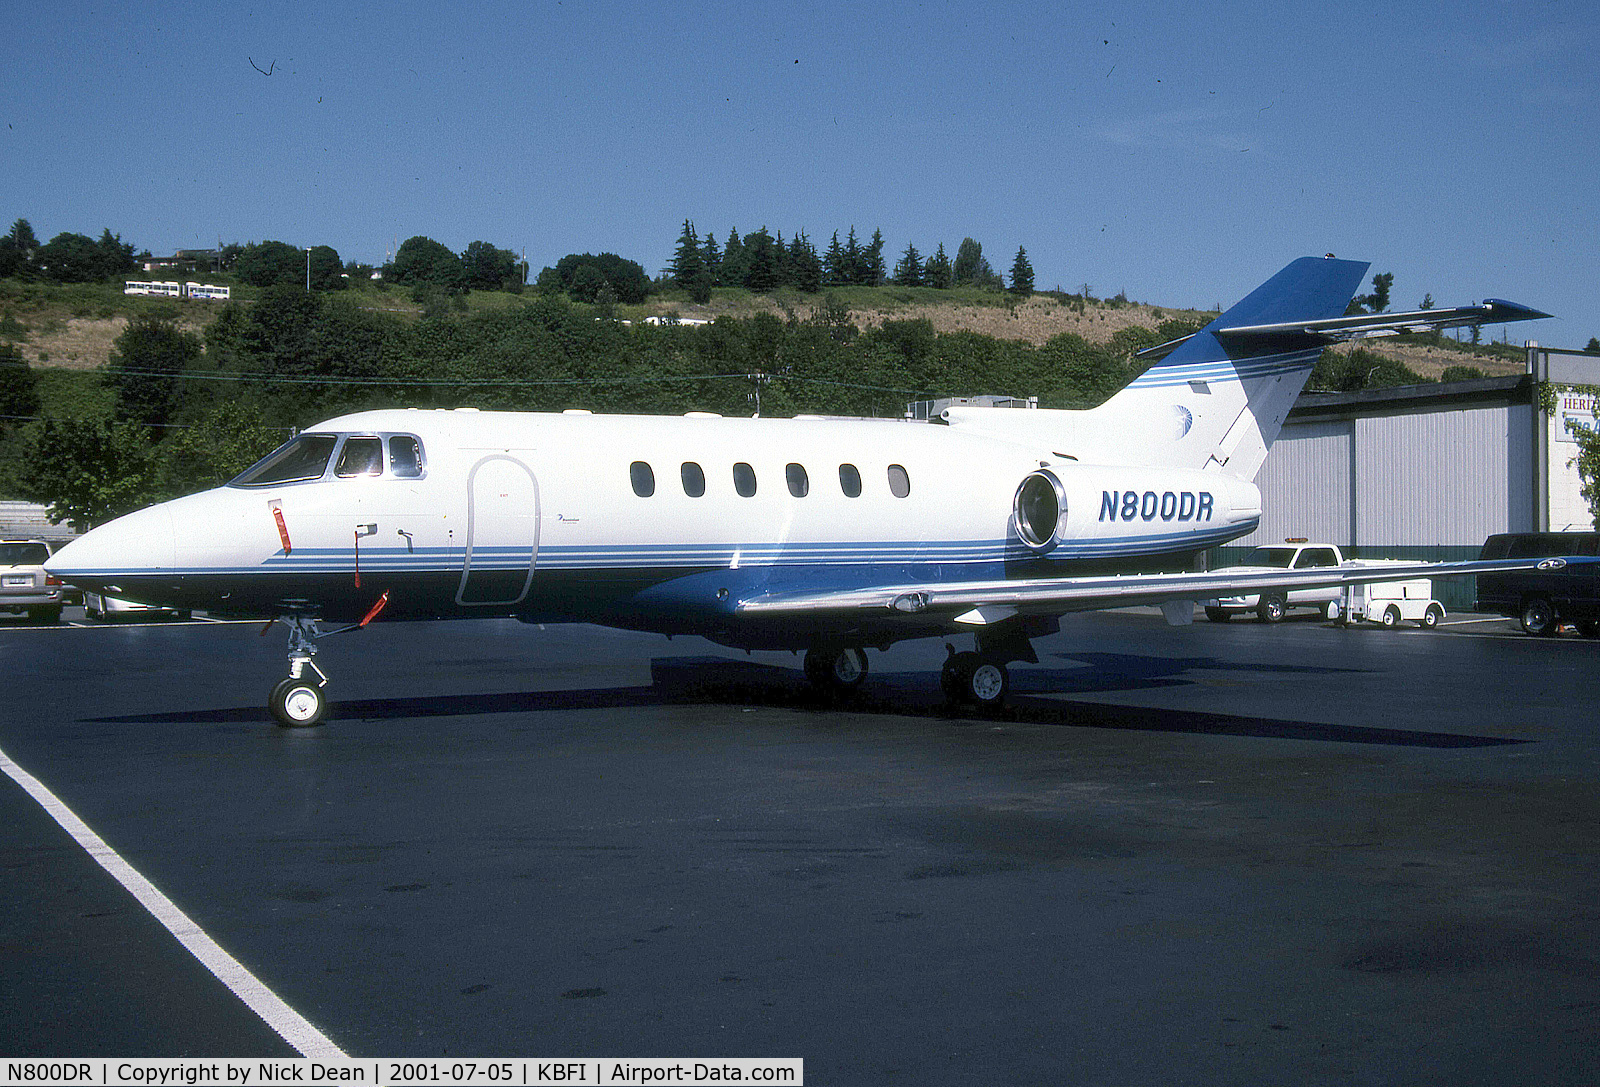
x: 301, y: 458
x: 360, y: 456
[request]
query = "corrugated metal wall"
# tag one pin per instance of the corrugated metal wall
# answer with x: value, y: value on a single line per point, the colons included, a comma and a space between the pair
x: 1430, y: 485
x: 1305, y: 485
x: 1430, y: 478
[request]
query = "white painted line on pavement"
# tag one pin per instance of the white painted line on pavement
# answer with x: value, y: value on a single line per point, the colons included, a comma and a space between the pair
x: 290, y: 1024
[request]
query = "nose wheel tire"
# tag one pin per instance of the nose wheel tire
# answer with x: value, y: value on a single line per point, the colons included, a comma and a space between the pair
x: 298, y: 703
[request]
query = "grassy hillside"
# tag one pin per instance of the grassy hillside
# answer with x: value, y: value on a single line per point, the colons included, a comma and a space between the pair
x: 74, y: 326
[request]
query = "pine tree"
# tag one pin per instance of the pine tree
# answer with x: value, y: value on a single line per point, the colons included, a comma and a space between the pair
x: 853, y: 272
x: 936, y: 273
x: 1021, y: 274
x: 713, y: 258
x: 734, y: 261
x: 834, y: 269
x: 805, y: 266
x: 689, y: 266
x: 761, y: 268
x: 872, y: 260
x: 908, y: 273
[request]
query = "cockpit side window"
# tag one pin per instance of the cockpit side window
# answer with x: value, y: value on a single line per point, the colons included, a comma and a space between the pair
x: 360, y: 457
x: 405, y: 457
x: 295, y: 461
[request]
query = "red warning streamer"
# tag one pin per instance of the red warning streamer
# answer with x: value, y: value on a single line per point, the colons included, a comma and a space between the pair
x: 283, y: 529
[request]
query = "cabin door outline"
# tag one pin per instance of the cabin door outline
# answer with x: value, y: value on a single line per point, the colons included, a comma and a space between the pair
x: 502, y: 533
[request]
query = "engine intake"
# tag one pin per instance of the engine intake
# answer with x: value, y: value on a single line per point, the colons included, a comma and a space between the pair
x: 1040, y: 510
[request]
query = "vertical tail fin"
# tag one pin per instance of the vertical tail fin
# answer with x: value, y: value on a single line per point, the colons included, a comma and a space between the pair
x: 1221, y: 398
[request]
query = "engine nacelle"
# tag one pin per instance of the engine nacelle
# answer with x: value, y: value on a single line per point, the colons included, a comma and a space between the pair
x: 1167, y: 509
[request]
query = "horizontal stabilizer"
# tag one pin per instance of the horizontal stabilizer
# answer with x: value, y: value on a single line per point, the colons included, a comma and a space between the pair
x: 1331, y: 330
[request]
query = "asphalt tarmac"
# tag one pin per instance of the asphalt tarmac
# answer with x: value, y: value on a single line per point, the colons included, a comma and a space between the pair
x: 1217, y: 854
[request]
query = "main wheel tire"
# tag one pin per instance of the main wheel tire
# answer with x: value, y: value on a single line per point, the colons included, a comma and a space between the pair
x: 1539, y: 618
x: 50, y: 613
x: 1218, y: 615
x: 1391, y: 617
x: 1272, y: 609
x: 975, y: 679
x: 298, y: 703
x: 1431, y: 617
x: 836, y: 670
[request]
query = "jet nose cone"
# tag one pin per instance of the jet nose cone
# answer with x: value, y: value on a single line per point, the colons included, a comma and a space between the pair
x: 141, y: 543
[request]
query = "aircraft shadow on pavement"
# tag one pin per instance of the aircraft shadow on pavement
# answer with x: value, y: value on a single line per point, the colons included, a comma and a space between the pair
x: 1038, y: 696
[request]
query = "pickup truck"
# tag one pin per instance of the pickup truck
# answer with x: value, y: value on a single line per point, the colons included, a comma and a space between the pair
x: 1273, y: 606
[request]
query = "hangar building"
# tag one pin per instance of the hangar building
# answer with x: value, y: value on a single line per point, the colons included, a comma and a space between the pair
x: 1429, y: 471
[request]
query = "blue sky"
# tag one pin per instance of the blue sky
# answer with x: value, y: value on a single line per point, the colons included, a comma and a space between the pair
x: 1180, y: 153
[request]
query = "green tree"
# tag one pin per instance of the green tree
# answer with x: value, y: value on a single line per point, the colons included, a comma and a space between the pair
x: 874, y: 270
x: 908, y: 272
x: 805, y: 266
x: 89, y: 471
x: 19, y: 389
x: 937, y: 273
x: 114, y: 257
x: 1021, y: 275
x: 689, y: 270
x: 488, y: 268
x: 969, y: 265
x: 1587, y: 462
x: 220, y: 444
x: 761, y: 261
x: 271, y: 264
x: 145, y: 369
x: 1593, y: 347
x: 69, y: 258
x: 327, y: 270
x: 421, y: 260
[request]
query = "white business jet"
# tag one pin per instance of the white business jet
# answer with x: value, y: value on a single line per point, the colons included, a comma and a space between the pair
x: 830, y: 536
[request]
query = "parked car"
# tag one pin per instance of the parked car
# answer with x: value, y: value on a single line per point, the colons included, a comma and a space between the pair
x: 109, y: 608
x: 1542, y: 600
x: 24, y: 586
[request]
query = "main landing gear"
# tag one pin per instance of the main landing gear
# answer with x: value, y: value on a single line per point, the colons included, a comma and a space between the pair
x: 976, y: 679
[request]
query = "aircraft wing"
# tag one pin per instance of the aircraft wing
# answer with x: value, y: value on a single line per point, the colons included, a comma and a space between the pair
x: 980, y: 603
x: 1492, y: 311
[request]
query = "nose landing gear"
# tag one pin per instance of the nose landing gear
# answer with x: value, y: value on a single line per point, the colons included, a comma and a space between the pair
x: 299, y: 702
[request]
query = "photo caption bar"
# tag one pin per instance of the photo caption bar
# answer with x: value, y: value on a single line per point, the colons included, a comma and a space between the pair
x: 496, y: 1072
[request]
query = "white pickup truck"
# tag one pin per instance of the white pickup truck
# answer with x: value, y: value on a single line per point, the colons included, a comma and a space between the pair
x: 1271, y: 607
x: 1385, y: 602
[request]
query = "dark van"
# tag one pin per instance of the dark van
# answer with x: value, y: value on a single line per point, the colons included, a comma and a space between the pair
x: 1544, y: 599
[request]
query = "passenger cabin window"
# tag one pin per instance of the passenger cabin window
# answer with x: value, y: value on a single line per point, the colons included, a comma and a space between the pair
x: 744, y: 480
x: 694, y: 479
x: 295, y: 461
x: 405, y: 457
x: 644, y: 479
x: 799, y: 483
x: 899, y: 482
x: 850, y: 481
x: 360, y: 457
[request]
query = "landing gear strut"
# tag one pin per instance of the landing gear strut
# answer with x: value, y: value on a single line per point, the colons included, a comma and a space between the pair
x: 300, y: 701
